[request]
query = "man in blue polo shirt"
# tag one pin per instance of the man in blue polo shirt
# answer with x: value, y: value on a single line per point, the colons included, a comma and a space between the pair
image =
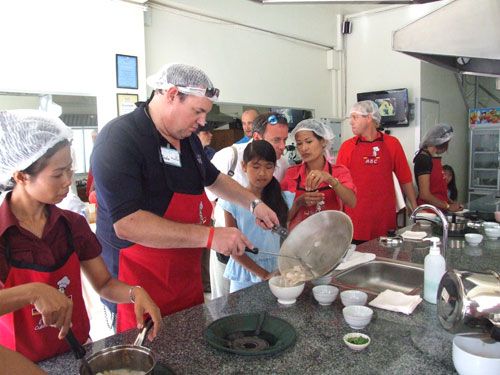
x: 153, y: 216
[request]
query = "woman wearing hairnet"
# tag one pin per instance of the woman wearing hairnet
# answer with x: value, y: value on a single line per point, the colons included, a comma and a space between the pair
x: 317, y: 184
x: 431, y: 180
x: 43, y: 248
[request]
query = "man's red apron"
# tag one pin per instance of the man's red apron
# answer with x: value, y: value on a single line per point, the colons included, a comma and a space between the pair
x: 371, y: 171
x: 437, y: 182
x: 23, y: 330
x: 332, y: 201
x: 171, y: 276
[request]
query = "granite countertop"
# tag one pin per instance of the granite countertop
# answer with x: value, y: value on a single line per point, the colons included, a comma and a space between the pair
x: 401, y: 344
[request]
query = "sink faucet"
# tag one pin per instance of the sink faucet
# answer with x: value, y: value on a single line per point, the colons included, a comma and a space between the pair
x: 444, y: 222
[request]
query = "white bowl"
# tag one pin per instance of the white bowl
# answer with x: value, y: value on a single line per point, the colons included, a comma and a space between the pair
x: 354, y: 346
x: 323, y: 280
x: 471, y: 356
x: 473, y: 239
x: 325, y: 294
x: 492, y: 233
x: 286, y: 294
x: 358, y: 317
x: 353, y: 297
x: 490, y: 224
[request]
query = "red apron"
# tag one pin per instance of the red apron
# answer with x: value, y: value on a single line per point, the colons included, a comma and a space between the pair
x: 171, y: 276
x: 371, y: 171
x: 437, y: 182
x: 23, y: 330
x: 332, y: 201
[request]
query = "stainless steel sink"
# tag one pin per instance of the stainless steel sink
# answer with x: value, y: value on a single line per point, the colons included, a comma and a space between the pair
x: 376, y: 276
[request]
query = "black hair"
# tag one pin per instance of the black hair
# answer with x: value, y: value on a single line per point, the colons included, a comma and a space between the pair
x: 271, y: 195
x: 452, y: 185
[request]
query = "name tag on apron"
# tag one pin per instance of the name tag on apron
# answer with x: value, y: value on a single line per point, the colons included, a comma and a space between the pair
x: 171, y: 156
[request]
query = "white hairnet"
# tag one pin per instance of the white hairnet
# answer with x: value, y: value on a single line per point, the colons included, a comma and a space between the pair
x: 181, y: 75
x: 367, y: 107
x: 25, y: 136
x: 317, y: 127
x: 437, y: 135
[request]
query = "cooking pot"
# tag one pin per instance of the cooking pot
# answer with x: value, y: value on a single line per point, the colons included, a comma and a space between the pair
x: 470, y: 302
x: 456, y: 224
x: 127, y: 357
x: 321, y: 241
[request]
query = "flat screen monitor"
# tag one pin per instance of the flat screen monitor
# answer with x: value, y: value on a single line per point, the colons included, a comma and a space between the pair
x: 293, y: 116
x: 392, y: 106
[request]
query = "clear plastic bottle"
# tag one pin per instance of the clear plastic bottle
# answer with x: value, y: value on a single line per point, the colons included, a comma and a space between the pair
x: 434, y: 269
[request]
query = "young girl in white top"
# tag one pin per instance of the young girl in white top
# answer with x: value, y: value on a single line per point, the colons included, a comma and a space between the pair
x: 259, y: 161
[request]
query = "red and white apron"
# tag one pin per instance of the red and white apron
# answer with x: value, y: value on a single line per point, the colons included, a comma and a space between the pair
x: 332, y: 201
x: 171, y: 276
x: 23, y: 330
x: 371, y: 171
x: 437, y: 182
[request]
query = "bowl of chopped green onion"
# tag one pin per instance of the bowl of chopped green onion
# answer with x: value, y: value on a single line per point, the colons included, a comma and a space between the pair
x: 357, y: 341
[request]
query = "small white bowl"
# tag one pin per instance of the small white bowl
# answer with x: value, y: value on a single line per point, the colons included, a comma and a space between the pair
x: 358, y: 317
x: 323, y: 280
x: 490, y: 224
x: 353, y: 297
x: 471, y: 356
x: 473, y: 239
x: 354, y: 346
x: 286, y: 294
x: 492, y: 233
x: 426, y: 215
x: 325, y: 294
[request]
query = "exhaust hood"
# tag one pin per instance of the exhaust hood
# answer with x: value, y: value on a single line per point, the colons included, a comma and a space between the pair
x: 463, y: 35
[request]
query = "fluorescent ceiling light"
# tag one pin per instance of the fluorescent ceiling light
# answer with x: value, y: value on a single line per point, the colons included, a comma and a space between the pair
x: 344, y: 1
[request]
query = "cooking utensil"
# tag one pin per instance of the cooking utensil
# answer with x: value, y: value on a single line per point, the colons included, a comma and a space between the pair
x: 79, y: 351
x: 130, y: 357
x: 308, y: 269
x: 281, y: 231
x: 321, y: 241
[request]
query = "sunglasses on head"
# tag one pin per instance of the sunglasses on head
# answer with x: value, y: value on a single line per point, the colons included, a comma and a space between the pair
x: 274, y: 119
x: 209, y: 93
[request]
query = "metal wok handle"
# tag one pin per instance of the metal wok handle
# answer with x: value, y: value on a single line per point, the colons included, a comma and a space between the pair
x: 141, y: 337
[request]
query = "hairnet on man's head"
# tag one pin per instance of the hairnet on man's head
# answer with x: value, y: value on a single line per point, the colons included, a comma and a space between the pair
x: 25, y: 136
x: 318, y: 127
x: 437, y: 135
x: 367, y: 107
x: 179, y: 75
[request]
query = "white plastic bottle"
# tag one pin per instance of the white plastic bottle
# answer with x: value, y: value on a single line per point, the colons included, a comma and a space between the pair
x: 434, y: 269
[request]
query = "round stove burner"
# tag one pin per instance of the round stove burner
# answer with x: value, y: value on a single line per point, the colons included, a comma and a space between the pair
x: 250, y: 343
x: 238, y: 334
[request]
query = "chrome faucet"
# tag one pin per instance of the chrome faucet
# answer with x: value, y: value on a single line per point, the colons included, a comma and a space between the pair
x: 444, y: 223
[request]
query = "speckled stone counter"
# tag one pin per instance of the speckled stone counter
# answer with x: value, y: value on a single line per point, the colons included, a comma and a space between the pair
x: 401, y: 344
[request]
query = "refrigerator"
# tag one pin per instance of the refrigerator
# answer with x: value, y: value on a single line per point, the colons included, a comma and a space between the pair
x: 484, y: 181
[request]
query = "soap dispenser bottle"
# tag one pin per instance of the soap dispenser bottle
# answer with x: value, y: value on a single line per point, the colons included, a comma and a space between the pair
x: 434, y: 269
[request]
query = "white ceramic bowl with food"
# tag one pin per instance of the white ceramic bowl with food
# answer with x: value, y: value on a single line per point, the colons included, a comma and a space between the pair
x: 325, y: 294
x: 353, y: 336
x: 286, y: 293
x: 473, y: 239
x: 353, y: 297
x: 492, y: 233
x: 357, y: 317
x: 471, y: 356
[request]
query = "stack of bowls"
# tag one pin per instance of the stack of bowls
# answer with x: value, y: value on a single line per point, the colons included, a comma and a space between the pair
x: 492, y: 230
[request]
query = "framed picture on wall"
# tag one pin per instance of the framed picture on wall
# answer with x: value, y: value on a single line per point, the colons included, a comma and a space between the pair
x: 126, y: 103
x: 126, y: 72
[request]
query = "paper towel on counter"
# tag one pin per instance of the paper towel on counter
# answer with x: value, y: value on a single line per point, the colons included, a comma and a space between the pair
x: 355, y: 259
x: 396, y: 301
x: 409, y: 235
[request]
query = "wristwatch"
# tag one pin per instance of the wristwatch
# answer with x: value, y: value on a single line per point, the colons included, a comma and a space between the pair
x: 254, y: 204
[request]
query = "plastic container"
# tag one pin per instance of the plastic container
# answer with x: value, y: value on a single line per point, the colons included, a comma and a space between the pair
x: 434, y: 269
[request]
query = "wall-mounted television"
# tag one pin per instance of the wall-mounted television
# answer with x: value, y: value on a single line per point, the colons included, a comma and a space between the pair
x: 293, y: 116
x: 392, y: 106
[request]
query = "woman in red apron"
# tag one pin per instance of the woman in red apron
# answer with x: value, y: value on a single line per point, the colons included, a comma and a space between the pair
x: 431, y: 181
x: 43, y: 248
x: 317, y: 184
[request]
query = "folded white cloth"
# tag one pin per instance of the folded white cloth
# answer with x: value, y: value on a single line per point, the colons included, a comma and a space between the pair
x: 355, y: 259
x: 396, y: 301
x: 409, y: 235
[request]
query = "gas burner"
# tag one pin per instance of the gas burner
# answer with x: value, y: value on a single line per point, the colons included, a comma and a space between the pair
x: 250, y: 343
